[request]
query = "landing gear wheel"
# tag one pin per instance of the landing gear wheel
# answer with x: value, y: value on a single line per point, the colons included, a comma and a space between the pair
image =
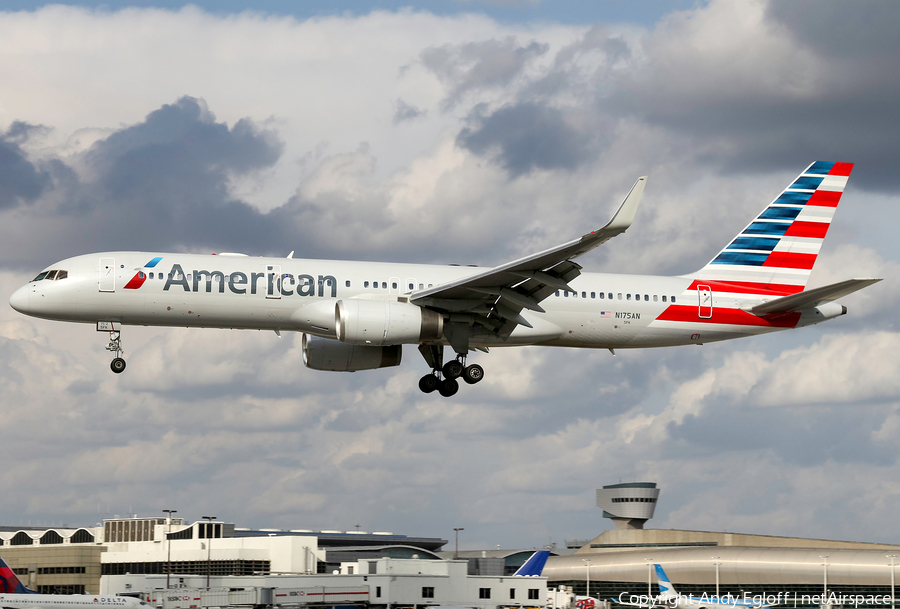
x: 452, y: 369
x: 448, y: 387
x: 117, y: 365
x: 428, y: 383
x: 472, y: 374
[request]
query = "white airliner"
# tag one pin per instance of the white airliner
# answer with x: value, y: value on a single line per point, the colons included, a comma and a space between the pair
x: 357, y: 315
x: 15, y: 595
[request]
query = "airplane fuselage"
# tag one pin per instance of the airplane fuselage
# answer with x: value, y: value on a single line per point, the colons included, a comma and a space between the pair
x: 287, y: 294
x: 68, y: 601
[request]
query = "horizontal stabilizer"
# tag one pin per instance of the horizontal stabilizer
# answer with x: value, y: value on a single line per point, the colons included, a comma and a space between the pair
x: 811, y: 298
x: 534, y: 565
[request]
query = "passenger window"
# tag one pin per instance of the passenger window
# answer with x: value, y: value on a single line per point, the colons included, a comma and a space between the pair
x: 610, y: 296
x: 412, y: 286
x: 602, y: 295
x: 566, y: 294
x: 421, y: 286
x: 384, y: 285
x: 393, y: 285
x: 646, y: 297
x: 430, y: 285
x: 557, y: 293
x: 141, y: 275
x: 627, y: 296
x: 673, y: 299
x: 365, y: 284
x: 654, y: 298
x: 584, y: 294
x: 62, y: 275
x: 664, y: 298
x: 620, y: 295
x: 593, y: 294
x: 51, y: 275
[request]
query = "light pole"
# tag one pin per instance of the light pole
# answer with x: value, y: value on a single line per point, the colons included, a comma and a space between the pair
x: 892, y: 557
x: 825, y: 582
x: 456, y: 553
x: 587, y: 564
x: 209, y: 536
x: 649, y: 580
x: 717, y: 563
x: 169, y: 545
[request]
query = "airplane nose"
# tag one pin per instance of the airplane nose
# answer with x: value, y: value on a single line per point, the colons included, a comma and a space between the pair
x: 19, y: 299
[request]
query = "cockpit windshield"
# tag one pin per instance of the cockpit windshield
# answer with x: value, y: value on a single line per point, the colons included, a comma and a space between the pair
x: 54, y: 275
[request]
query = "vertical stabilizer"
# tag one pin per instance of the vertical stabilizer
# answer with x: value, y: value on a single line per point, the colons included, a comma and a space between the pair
x: 776, y: 252
x: 534, y: 565
x: 9, y: 582
x: 665, y: 586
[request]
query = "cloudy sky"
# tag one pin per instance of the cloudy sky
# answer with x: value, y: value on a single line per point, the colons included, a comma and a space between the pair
x: 448, y: 132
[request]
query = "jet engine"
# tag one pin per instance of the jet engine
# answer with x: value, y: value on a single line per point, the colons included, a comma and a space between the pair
x: 327, y: 354
x: 385, y: 322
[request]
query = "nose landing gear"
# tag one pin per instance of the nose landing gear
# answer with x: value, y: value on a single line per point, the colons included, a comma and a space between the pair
x: 115, y: 344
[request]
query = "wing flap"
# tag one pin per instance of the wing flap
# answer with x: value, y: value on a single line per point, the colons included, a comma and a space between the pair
x: 811, y: 298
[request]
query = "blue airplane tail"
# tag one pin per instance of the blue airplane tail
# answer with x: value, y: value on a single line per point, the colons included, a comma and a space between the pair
x: 534, y: 565
x: 9, y: 582
x: 665, y: 586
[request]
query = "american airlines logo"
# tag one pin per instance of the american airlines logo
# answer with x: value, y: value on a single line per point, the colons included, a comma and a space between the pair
x: 238, y: 283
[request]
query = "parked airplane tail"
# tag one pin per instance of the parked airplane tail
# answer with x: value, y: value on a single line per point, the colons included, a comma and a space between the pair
x: 777, y: 250
x: 534, y: 565
x: 665, y: 586
x: 9, y: 582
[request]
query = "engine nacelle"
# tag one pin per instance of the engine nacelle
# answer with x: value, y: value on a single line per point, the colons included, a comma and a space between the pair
x: 327, y: 354
x: 385, y: 322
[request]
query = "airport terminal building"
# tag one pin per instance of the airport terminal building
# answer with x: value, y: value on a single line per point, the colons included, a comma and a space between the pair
x: 699, y: 562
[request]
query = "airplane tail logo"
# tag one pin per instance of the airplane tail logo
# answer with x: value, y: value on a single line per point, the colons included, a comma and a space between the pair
x: 665, y: 586
x: 534, y: 565
x: 776, y: 252
x: 9, y: 582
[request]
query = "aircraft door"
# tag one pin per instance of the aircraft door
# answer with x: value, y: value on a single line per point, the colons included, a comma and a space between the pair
x: 706, y: 302
x: 107, y: 275
x: 273, y: 281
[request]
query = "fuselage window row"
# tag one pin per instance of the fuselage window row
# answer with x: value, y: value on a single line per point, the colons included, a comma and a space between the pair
x: 637, y: 297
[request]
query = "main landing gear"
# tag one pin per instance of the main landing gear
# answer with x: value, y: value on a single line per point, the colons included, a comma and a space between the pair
x: 443, y: 378
x: 115, y: 345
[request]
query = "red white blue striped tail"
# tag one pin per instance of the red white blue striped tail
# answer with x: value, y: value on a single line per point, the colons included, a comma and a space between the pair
x: 777, y: 251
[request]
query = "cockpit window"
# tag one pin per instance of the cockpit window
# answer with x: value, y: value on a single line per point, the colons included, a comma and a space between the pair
x: 51, y: 275
x: 62, y: 275
x: 41, y: 276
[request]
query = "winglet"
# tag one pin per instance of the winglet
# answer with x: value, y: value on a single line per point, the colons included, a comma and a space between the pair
x: 625, y: 214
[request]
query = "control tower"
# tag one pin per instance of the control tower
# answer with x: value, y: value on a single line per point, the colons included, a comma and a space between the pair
x: 628, y: 504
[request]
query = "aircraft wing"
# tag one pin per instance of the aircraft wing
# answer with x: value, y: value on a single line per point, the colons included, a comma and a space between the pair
x: 497, y: 296
x: 811, y: 298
